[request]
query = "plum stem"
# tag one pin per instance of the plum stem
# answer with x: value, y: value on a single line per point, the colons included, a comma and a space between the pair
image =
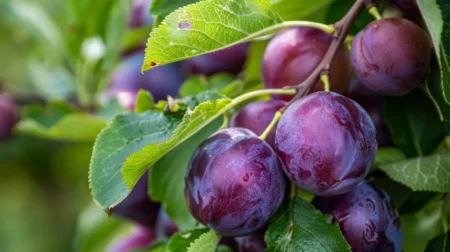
x: 324, y: 27
x: 375, y: 12
x: 272, y: 124
x: 342, y: 28
x: 294, y: 190
x: 326, y: 82
x: 250, y: 95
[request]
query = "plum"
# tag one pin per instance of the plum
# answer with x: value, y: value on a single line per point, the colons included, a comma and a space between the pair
x: 251, y: 243
x: 372, y: 102
x: 160, y: 81
x: 327, y: 143
x: 257, y: 116
x: 408, y: 7
x: 229, y: 60
x: 138, y: 206
x: 140, y: 238
x: 234, y: 182
x: 8, y: 116
x: 391, y: 56
x: 140, y: 15
x: 293, y: 54
x: 165, y: 227
x: 366, y: 217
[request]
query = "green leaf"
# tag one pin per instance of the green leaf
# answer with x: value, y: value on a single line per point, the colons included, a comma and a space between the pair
x: 167, y: 177
x: 127, y: 133
x: 193, y: 121
x: 388, y: 155
x: 414, y: 123
x: 419, y: 228
x: 313, y: 10
x: 437, y: 18
x: 207, y: 242
x: 439, y: 244
x: 144, y: 101
x: 164, y: 7
x: 434, y: 90
x: 207, y: 26
x: 430, y: 173
x: 58, y: 121
x: 180, y: 242
x: 73, y: 127
x: 297, y: 226
x: 200, y: 83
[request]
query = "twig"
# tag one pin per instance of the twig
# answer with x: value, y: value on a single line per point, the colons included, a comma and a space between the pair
x: 342, y: 28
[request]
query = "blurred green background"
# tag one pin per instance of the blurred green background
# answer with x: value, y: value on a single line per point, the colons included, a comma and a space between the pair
x: 44, y: 183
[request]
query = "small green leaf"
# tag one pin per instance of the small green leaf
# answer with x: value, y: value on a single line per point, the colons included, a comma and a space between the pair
x: 439, y: 244
x: 430, y: 173
x: 167, y: 177
x: 437, y: 18
x: 388, y: 155
x: 414, y: 123
x: 207, y: 242
x: 297, y: 226
x: 207, y: 26
x: 193, y: 121
x: 180, y: 242
x: 58, y: 121
x: 144, y: 101
x: 73, y: 127
x: 127, y: 133
x: 200, y: 83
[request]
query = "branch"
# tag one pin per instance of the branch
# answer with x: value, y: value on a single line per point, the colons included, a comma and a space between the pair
x: 342, y: 28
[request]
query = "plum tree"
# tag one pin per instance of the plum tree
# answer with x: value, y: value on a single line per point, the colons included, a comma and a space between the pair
x: 366, y: 217
x: 251, y: 243
x: 234, y: 182
x: 257, y: 116
x: 139, y: 15
x: 8, y: 116
x: 327, y: 143
x: 138, y: 206
x: 160, y: 82
x: 229, y: 60
x: 391, y: 56
x: 293, y: 54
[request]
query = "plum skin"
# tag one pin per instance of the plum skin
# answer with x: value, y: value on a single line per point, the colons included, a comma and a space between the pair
x: 139, y: 15
x: 293, y: 54
x: 140, y: 238
x: 8, y: 116
x: 160, y: 81
x: 391, y: 56
x: 327, y: 143
x: 234, y: 182
x: 257, y: 116
x: 138, y: 206
x: 251, y: 243
x: 229, y: 60
x: 366, y: 217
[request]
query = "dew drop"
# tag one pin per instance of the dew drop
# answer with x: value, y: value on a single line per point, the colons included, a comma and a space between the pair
x: 186, y: 25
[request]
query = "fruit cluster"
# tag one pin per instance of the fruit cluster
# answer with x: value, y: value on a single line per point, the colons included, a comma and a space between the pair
x: 324, y: 143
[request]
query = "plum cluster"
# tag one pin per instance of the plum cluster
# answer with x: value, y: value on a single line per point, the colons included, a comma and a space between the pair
x: 324, y: 143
